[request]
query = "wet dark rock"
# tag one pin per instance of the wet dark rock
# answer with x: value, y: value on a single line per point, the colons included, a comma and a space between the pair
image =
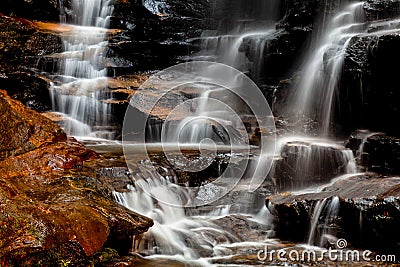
x: 368, y: 90
x: 302, y: 164
x: 215, y: 167
x: 155, y: 33
x: 241, y: 227
x: 29, y: 88
x: 306, y: 13
x: 22, y: 45
x: 376, y: 152
x: 43, y: 10
x: 367, y: 217
x: 144, y: 55
x: 381, y: 9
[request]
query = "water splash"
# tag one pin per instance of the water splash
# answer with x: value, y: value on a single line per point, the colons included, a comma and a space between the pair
x: 176, y: 235
x: 81, y: 92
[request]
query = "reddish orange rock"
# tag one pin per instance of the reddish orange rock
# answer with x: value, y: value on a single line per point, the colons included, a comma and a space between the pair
x: 23, y: 130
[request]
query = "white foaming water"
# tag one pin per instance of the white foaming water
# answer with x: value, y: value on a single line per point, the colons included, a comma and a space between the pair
x: 80, y: 94
x: 314, y: 94
x: 175, y: 235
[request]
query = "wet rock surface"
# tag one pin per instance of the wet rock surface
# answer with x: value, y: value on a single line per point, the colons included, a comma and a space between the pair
x: 52, y: 209
x: 35, y: 9
x: 376, y: 152
x: 303, y: 163
x: 377, y: 10
x: 368, y: 92
x: 155, y: 33
x: 22, y: 42
x: 367, y: 214
x: 23, y: 130
x: 22, y: 46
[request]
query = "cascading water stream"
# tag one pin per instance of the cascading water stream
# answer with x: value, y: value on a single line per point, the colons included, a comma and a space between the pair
x: 198, y: 238
x: 249, y: 27
x: 79, y: 94
x: 179, y: 234
x: 176, y: 235
x: 313, y: 97
x: 320, y: 230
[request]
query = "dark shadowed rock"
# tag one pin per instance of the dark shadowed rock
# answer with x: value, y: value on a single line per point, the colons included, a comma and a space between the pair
x: 22, y: 43
x: 368, y: 90
x: 29, y: 88
x: 43, y: 10
x: 155, y: 33
x: 305, y: 163
x: 381, y: 9
x: 376, y: 152
x: 22, y: 46
x: 367, y: 213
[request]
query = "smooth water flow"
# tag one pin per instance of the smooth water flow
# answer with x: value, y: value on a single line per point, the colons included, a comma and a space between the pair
x: 175, y: 235
x: 246, y: 30
x: 313, y: 97
x: 322, y: 222
x: 79, y: 95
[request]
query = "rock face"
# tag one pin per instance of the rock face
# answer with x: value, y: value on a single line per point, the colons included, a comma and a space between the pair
x: 367, y: 212
x: 22, y: 130
x: 45, y: 10
x: 368, y: 94
x: 22, y: 45
x: 51, y: 211
x: 377, y: 10
x: 155, y: 33
x: 376, y: 152
x: 306, y: 163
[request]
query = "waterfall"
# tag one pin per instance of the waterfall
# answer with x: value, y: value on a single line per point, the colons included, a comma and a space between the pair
x: 80, y: 92
x: 313, y: 97
x: 322, y: 222
x: 175, y: 234
x: 242, y: 34
x: 311, y: 161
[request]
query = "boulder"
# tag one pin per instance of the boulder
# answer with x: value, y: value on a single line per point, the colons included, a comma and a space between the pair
x: 23, y: 130
x: 301, y: 164
x: 376, y: 152
x: 366, y: 213
x: 54, y: 218
x: 52, y: 211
